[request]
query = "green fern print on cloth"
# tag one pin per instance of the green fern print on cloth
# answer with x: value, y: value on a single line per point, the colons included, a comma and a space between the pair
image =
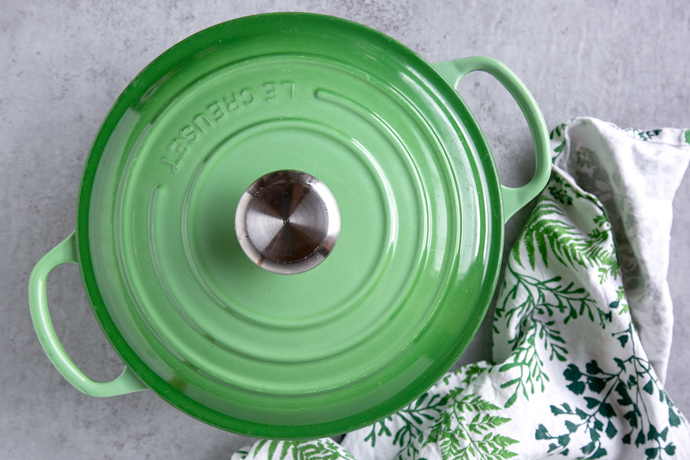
x: 580, y: 328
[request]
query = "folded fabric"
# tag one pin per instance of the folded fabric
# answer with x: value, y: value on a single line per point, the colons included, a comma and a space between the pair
x: 581, y: 330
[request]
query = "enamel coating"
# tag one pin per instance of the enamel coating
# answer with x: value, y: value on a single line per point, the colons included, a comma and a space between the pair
x: 383, y: 317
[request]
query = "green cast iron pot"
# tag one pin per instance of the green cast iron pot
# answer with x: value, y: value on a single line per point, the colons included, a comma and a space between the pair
x: 339, y: 346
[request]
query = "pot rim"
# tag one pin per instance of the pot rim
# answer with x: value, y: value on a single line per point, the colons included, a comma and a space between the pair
x: 133, y: 93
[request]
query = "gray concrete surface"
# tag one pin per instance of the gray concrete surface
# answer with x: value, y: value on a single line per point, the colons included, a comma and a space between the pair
x: 62, y: 65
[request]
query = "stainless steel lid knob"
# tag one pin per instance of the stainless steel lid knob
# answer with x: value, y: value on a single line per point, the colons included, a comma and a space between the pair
x: 287, y: 222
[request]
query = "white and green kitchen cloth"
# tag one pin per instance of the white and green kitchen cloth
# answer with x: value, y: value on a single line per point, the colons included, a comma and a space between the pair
x: 581, y: 331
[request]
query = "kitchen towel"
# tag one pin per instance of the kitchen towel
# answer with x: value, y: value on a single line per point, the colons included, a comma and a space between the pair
x: 581, y: 330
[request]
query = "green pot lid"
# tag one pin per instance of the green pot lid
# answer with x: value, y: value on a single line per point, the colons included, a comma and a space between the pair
x: 332, y: 348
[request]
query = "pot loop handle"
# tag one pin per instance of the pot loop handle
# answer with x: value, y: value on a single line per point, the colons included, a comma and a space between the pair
x: 66, y: 252
x: 514, y: 199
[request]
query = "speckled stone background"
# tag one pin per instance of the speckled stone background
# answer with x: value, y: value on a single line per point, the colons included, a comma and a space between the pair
x: 62, y: 65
